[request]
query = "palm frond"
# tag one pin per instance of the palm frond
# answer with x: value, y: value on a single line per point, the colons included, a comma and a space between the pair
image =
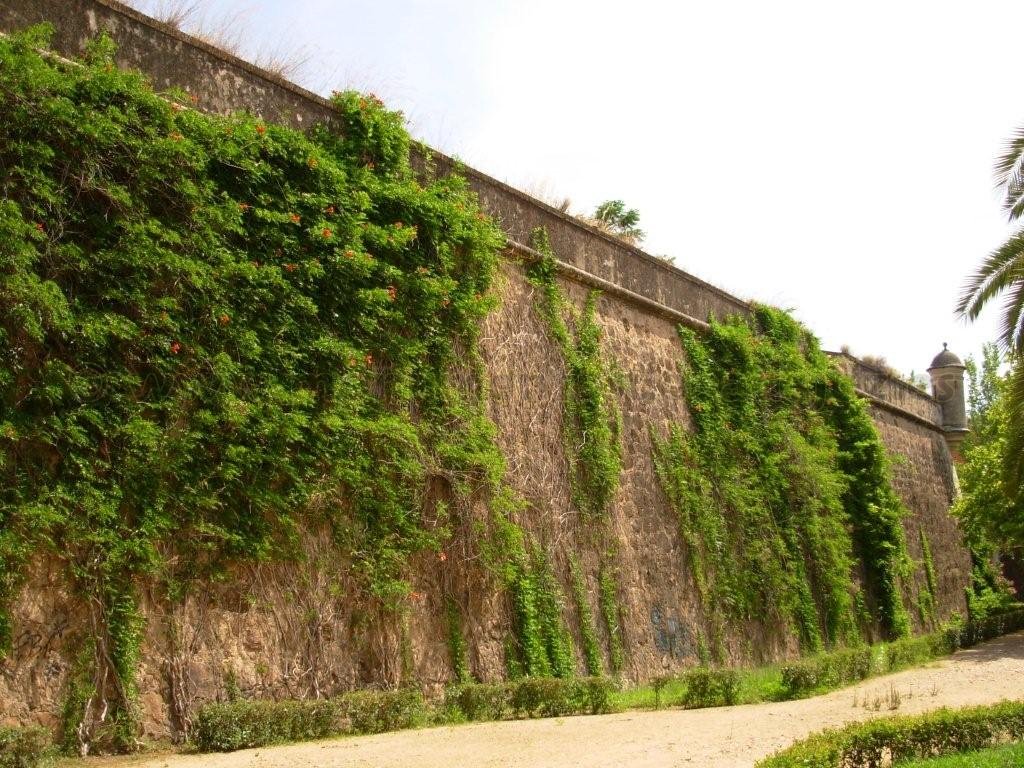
x: 1009, y: 173
x: 1011, y: 332
x: 997, y: 273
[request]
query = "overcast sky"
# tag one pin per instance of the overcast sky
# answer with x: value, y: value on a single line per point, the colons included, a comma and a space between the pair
x: 831, y: 158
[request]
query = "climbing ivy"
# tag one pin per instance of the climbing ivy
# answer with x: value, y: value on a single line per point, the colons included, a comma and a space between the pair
x: 930, y: 597
x: 609, y: 600
x: 215, y: 332
x: 457, y: 646
x: 541, y: 645
x: 591, y: 419
x: 588, y: 633
x: 781, y: 486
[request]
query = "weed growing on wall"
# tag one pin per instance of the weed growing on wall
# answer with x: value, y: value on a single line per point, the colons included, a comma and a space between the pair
x: 591, y: 417
x: 214, y: 332
x: 781, y: 486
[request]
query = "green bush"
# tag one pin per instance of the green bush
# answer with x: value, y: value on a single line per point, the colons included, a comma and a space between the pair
x: 542, y: 697
x: 908, y: 651
x: 826, y: 670
x: 711, y: 688
x: 874, y: 744
x: 379, y: 711
x: 594, y: 694
x: 227, y: 726
x: 481, y: 701
x: 23, y: 747
x: 533, y: 697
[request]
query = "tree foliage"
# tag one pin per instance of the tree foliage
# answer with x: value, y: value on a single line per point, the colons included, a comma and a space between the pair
x: 619, y: 220
x: 1002, y: 274
x: 991, y: 510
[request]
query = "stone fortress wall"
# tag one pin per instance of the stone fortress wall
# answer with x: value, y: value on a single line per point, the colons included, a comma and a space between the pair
x: 250, y: 630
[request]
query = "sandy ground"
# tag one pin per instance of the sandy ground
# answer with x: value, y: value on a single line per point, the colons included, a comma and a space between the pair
x: 725, y: 737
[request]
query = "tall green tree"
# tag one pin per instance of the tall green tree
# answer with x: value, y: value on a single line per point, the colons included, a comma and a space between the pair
x: 992, y: 512
x: 1002, y: 273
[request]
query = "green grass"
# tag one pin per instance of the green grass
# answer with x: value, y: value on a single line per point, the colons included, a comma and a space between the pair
x: 1009, y: 756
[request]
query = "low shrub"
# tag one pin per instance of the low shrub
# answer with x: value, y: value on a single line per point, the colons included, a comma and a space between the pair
x: 481, y: 701
x: 24, y: 747
x: 242, y: 724
x: 898, y: 739
x: 711, y: 688
x: 908, y: 651
x: 379, y: 711
x: 533, y: 697
x: 849, y: 665
x: 826, y: 670
x: 594, y: 695
x: 231, y: 725
x: 978, y: 631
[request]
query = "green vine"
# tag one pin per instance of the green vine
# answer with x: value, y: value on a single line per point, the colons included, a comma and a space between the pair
x: 781, y: 486
x: 457, y: 646
x: 215, y: 332
x: 541, y: 645
x: 591, y: 416
x: 608, y: 592
x: 930, y: 597
x: 588, y: 632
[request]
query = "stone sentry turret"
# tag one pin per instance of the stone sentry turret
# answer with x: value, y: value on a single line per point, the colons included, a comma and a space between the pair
x: 947, y: 375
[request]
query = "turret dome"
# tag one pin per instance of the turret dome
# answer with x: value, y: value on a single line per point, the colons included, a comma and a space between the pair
x: 946, y: 359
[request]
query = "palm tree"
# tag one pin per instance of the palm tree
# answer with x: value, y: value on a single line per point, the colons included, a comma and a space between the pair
x: 1003, y: 273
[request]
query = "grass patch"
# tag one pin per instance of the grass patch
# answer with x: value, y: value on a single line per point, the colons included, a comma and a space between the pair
x: 1008, y: 756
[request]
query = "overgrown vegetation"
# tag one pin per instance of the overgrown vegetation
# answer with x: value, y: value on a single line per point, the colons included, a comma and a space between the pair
x: 928, y: 599
x: 215, y: 332
x: 990, y: 506
x: 24, y: 747
x: 899, y: 739
x: 541, y: 645
x: 615, y: 218
x: 781, y: 487
x: 591, y: 418
x: 588, y: 631
x: 609, y: 601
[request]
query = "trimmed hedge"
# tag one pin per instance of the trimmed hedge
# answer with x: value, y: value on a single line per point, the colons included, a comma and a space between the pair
x: 24, y: 747
x: 379, y: 711
x: 842, y: 667
x: 898, y: 739
x: 826, y: 670
x: 242, y: 724
x: 711, y: 688
x: 532, y: 697
x: 227, y: 726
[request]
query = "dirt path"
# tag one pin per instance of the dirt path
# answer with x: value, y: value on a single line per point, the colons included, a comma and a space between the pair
x: 726, y: 737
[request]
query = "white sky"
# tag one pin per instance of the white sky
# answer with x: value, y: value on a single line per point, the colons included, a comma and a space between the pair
x: 831, y: 158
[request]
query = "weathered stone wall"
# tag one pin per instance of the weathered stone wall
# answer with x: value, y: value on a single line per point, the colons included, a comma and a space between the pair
x: 287, y: 630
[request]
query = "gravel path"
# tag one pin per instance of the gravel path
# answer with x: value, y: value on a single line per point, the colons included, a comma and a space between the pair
x: 726, y: 737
